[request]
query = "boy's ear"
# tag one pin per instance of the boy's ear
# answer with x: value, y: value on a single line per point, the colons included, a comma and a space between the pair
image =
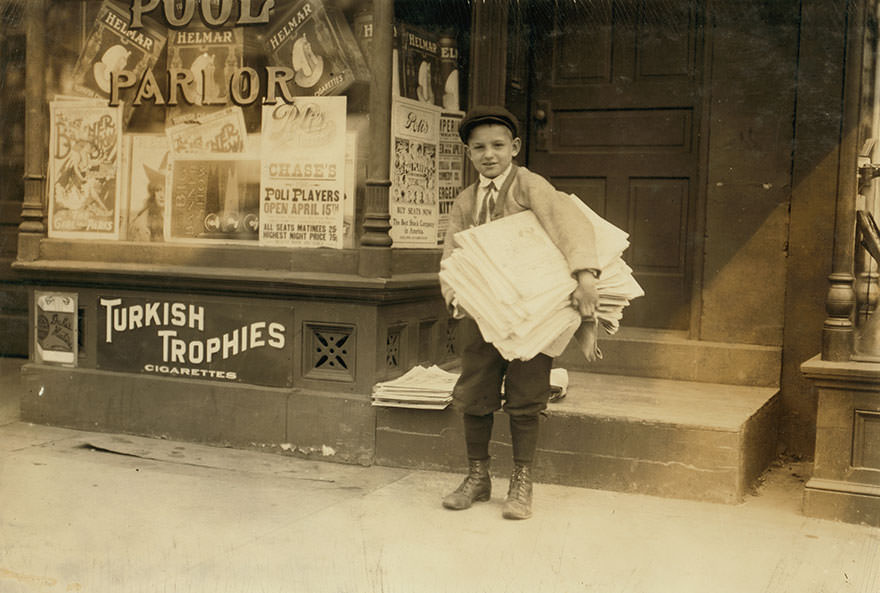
x: 517, y: 144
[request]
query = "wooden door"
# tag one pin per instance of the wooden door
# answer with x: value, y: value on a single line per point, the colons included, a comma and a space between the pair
x: 614, y: 118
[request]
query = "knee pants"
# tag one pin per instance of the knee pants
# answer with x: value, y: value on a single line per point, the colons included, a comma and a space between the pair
x: 483, y: 370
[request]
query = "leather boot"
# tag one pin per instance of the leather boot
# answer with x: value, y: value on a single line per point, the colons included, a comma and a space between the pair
x: 476, y: 487
x: 518, y: 504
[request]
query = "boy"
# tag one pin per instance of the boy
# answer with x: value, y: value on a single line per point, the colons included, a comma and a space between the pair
x: 491, y: 139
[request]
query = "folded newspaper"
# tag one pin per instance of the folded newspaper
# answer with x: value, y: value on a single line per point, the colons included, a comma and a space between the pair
x: 516, y: 284
x: 431, y: 388
x: 424, y: 388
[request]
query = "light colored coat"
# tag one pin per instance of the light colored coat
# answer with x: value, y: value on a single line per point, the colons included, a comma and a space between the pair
x: 525, y: 190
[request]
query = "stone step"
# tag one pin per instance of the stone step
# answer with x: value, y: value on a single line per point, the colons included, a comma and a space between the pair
x: 664, y: 354
x: 677, y: 439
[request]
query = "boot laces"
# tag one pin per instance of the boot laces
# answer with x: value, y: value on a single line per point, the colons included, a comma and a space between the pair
x: 519, y: 483
x: 477, y: 473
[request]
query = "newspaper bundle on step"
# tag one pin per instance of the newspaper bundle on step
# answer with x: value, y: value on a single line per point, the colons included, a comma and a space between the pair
x: 430, y: 388
x: 424, y: 388
x: 516, y: 284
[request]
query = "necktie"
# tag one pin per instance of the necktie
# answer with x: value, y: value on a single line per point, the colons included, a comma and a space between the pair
x: 488, y: 204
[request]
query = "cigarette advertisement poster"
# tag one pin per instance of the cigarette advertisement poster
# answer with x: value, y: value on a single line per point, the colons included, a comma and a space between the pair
x: 146, y: 166
x: 197, y: 338
x: 415, y: 136
x: 316, y: 41
x: 84, y: 166
x: 219, y: 132
x: 112, y: 47
x: 212, y: 55
x: 420, y: 63
x: 303, y: 182
x: 55, y: 334
x: 213, y: 198
x: 451, y: 168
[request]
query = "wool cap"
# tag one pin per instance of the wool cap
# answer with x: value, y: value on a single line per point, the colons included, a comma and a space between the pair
x: 487, y: 114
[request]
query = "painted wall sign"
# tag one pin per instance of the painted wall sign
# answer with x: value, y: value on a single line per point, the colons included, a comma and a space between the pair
x: 196, y: 338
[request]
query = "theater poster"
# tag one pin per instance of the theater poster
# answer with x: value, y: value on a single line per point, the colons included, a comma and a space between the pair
x: 213, y: 198
x: 220, y: 131
x: 84, y: 170
x: 450, y: 163
x: 413, y: 200
x: 303, y: 182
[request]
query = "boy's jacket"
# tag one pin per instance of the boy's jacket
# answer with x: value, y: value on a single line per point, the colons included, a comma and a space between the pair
x: 524, y: 190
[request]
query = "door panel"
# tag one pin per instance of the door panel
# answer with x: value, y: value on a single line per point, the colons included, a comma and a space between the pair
x: 613, y: 119
x: 600, y: 129
x: 657, y: 213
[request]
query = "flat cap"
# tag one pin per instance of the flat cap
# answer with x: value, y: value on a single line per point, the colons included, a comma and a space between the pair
x: 487, y: 114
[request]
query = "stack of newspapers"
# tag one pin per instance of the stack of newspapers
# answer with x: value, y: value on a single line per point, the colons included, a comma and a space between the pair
x: 431, y: 388
x: 424, y: 388
x: 510, y: 277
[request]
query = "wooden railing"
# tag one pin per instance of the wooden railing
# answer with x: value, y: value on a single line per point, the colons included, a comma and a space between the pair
x: 840, y: 304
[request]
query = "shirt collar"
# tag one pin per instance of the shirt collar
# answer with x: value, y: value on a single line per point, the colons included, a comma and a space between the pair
x: 498, y: 181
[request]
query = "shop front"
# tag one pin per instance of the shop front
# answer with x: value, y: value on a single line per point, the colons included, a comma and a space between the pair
x: 233, y: 214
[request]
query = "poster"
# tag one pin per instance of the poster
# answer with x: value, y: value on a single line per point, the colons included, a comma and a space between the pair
x: 218, y: 132
x: 450, y: 165
x: 55, y: 333
x: 316, y: 42
x: 146, y: 166
x: 303, y: 182
x: 111, y: 48
x: 84, y: 170
x: 212, y: 55
x: 213, y: 198
x: 348, y: 234
x: 196, y: 338
x: 420, y: 65
x: 413, y: 199
x: 448, y: 86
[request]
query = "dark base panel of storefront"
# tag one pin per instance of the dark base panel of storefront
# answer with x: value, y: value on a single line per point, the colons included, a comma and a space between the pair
x: 302, y: 388
x: 330, y: 426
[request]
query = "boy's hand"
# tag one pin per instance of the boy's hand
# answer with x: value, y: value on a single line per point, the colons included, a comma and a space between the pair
x: 585, y: 297
x: 456, y: 310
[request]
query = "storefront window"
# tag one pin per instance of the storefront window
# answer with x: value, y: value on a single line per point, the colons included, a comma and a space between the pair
x: 241, y: 123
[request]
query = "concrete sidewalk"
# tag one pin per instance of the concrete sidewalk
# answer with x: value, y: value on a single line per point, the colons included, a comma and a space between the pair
x: 108, y: 513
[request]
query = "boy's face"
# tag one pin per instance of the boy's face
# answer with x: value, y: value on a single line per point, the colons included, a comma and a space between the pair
x: 491, y: 147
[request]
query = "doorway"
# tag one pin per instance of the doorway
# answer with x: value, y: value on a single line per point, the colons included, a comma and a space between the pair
x: 614, y: 117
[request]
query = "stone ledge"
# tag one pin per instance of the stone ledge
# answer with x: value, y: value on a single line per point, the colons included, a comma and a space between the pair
x: 843, y: 374
x: 667, y: 438
x: 329, y: 426
x: 842, y: 501
x: 671, y: 355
